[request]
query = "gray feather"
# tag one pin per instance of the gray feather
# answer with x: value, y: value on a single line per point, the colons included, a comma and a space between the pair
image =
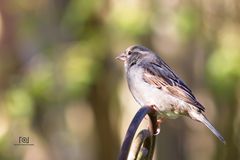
x: 201, y: 118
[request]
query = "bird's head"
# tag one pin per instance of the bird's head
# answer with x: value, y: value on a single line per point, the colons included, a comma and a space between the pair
x: 133, y: 54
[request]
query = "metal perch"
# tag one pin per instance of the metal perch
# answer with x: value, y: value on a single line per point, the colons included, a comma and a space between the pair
x: 144, y: 143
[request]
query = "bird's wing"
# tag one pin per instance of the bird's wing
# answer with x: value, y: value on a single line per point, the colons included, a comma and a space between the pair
x: 160, y: 75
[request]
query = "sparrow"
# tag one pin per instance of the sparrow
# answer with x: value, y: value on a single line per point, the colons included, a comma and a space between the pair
x: 153, y: 83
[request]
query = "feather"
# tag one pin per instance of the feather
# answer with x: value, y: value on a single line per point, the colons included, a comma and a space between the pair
x: 160, y: 76
x: 201, y: 118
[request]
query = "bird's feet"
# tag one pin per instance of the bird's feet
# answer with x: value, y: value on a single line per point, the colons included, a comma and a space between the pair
x: 157, y: 126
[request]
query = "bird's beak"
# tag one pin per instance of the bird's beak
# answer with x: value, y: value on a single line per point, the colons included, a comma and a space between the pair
x: 122, y: 57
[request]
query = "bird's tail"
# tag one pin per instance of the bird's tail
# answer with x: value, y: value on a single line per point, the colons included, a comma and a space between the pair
x: 214, y: 131
x: 205, y: 121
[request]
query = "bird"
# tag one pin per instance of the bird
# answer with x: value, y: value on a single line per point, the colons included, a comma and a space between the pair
x: 153, y: 83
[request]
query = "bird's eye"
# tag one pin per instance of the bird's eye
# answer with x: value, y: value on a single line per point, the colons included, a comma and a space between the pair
x: 129, y: 53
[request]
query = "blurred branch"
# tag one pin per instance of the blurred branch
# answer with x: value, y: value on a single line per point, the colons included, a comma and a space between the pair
x: 10, y: 64
x: 144, y: 142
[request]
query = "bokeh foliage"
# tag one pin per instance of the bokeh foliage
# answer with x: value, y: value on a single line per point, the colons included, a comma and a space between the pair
x: 61, y: 86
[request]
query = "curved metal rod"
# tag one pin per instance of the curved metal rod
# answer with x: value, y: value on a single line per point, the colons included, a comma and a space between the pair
x: 136, y: 149
x: 142, y: 112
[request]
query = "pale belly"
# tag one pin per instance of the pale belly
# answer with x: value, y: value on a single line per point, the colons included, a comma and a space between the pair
x: 146, y: 94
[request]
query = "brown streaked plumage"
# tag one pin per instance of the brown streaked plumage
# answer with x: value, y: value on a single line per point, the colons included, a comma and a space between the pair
x: 156, y: 75
x: 152, y: 82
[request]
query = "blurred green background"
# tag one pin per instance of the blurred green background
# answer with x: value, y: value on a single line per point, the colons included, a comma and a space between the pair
x: 61, y: 86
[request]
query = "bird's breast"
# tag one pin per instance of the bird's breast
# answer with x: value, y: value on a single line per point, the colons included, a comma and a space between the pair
x: 147, y: 94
